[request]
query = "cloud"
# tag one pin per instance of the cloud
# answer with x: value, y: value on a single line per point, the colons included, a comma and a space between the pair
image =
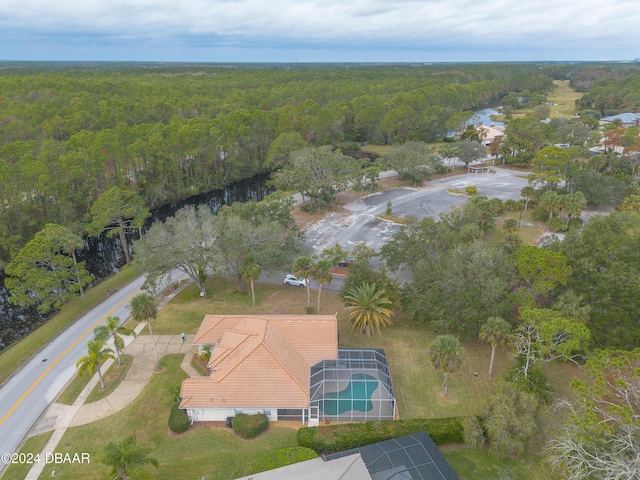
x: 559, y: 26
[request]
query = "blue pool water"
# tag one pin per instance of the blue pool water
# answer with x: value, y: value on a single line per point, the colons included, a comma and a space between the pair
x: 357, y: 396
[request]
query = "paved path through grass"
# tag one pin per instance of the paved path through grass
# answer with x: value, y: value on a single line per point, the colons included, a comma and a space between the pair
x: 59, y: 417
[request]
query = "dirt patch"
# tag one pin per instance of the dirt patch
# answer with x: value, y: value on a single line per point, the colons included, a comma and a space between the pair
x: 304, y: 219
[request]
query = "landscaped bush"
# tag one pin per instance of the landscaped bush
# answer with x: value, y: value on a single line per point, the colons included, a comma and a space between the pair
x: 282, y: 458
x: 471, y: 189
x: 336, y: 438
x: 249, y: 426
x: 178, y: 420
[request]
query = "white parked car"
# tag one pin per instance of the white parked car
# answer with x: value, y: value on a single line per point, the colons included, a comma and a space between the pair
x: 291, y: 279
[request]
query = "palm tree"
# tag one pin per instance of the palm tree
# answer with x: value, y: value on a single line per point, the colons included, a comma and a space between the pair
x: 127, y: 459
x: 97, y: 353
x: 368, y: 308
x: 445, y: 354
x: 495, y: 331
x: 302, y: 268
x: 528, y: 193
x: 250, y: 270
x: 322, y: 274
x: 113, y: 329
x: 143, y: 309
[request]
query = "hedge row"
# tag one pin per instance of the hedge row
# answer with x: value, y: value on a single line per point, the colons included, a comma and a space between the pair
x: 249, y: 426
x: 282, y: 458
x: 336, y: 438
x: 178, y: 419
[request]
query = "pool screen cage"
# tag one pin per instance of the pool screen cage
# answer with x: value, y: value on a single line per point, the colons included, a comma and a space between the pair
x: 354, y: 387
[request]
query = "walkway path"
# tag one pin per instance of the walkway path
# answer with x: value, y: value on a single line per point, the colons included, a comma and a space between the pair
x: 59, y: 417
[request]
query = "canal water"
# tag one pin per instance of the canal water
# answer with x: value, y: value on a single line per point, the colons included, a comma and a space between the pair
x: 104, y: 256
x: 485, y: 116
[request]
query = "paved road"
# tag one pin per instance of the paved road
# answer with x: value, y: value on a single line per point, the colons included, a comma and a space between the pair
x: 26, y: 395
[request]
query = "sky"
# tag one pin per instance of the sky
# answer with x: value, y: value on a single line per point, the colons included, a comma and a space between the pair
x: 319, y: 31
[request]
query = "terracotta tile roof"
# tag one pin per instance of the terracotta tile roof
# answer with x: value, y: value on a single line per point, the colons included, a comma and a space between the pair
x: 260, y: 361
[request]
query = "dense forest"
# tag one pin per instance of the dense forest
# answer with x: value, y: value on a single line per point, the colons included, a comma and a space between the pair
x: 69, y: 132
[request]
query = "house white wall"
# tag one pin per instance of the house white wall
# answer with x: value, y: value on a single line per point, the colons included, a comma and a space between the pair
x: 221, y: 414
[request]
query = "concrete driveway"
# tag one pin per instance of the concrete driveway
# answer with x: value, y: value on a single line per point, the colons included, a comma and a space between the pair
x: 362, y: 224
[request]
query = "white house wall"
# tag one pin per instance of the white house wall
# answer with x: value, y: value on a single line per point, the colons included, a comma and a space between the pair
x: 221, y: 414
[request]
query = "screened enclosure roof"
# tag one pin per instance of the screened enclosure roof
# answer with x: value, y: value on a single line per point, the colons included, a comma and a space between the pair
x: 353, y: 360
x: 412, y: 457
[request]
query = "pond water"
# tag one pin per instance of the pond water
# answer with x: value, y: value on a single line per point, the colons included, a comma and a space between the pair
x: 485, y: 116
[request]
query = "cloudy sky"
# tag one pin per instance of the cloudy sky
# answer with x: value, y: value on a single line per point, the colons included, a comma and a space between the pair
x: 319, y: 31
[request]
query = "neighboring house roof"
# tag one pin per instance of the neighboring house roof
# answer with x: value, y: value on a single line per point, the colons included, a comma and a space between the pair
x: 625, y: 118
x: 492, y: 132
x: 412, y: 456
x: 260, y: 361
x: 347, y: 468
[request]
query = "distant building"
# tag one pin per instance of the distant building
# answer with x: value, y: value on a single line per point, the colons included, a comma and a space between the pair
x: 626, y: 119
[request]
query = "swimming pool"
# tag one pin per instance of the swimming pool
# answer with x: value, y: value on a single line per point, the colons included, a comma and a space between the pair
x: 357, y: 396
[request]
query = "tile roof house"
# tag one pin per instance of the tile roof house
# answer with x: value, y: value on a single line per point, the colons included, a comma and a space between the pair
x: 259, y: 364
x: 491, y: 133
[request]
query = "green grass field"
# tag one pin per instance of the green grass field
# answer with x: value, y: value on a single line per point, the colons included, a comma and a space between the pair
x: 565, y: 98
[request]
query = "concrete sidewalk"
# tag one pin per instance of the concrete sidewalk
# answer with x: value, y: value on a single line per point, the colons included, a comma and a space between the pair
x: 59, y: 417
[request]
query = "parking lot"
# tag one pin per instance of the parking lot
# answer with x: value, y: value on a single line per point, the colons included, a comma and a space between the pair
x: 363, y: 225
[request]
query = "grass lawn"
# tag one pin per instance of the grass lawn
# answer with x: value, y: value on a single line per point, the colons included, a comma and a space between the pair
x: 480, y: 465
x: 186, y: 310
x: 112, y: 378
x: 377, y: 149
x: 201, y: 452
x: 565, y: 97
x: 417, y: 385
x: 530, y: 234
x: 33, y: 445
x: 14, y: 356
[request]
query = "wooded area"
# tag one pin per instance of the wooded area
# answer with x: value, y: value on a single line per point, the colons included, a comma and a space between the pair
x: 70, y: 133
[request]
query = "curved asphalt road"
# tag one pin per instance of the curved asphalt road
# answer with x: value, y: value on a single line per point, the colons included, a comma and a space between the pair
x: 28, y: 393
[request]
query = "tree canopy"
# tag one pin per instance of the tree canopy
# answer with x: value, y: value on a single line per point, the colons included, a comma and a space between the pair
x: 45, y: 272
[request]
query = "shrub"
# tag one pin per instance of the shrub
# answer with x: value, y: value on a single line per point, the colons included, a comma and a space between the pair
x: 205, y: 356
x: 510, y: 225
x: 541, y: 214
x: 471, y: 189
x: 249, y: 426
x: 336, y: 438
x: 557, y: 224
x: 473, y: 432
x: 575, y: 223
x: 282, y: 458
x: 178, y: 419
x: 513, y: 205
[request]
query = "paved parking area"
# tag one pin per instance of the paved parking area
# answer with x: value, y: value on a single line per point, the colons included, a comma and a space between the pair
x: 362, y: 224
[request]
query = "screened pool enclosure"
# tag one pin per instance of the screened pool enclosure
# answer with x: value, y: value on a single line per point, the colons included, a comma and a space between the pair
x: 354, y: 387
